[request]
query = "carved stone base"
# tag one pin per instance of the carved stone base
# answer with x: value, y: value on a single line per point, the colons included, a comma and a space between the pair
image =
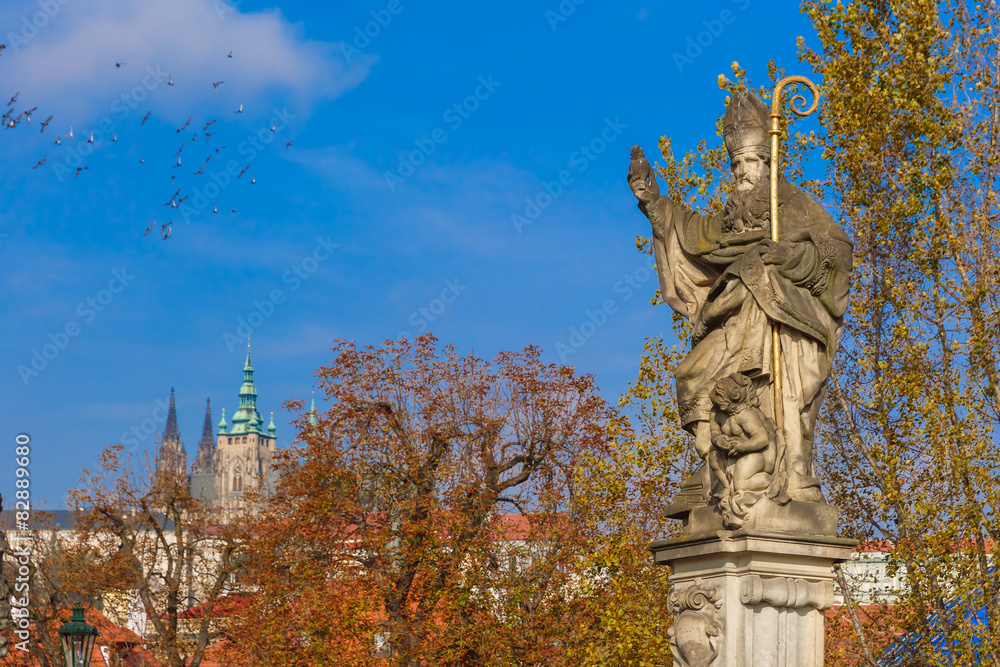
x: 794, y: 517
x: 750, y: 598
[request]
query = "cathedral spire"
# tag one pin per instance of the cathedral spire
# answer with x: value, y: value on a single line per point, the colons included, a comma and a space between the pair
x: 205, y: 463
x: 247, y: 419
x: 170, y: 432
x: 171, y: 454
x: 312, y: 410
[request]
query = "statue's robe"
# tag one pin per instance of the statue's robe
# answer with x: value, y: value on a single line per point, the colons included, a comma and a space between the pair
x: 717, y: 280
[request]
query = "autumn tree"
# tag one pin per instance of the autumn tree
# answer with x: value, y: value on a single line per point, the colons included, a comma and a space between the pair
x: 427, y: 515
x: 143, y: 535
x: 51, y: 582
x: 911, y: 120
x: 907, y: 162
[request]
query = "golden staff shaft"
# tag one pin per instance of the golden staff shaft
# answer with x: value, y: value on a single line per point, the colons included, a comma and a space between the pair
x: 775, y: 133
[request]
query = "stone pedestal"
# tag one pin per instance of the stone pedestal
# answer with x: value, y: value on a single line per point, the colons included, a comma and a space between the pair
x: 751, y: 597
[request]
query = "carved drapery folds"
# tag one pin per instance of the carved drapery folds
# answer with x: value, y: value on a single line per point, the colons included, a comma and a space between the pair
x: 694, y: 637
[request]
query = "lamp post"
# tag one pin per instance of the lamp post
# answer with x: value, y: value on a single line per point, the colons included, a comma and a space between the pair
x: 77, y: 639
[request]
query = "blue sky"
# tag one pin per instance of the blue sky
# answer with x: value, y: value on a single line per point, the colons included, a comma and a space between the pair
x: 391, y: 212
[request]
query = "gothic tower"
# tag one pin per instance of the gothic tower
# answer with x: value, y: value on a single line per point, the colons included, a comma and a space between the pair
x: 172, y: 456
x: 205, y: 463
x: 245, y: 449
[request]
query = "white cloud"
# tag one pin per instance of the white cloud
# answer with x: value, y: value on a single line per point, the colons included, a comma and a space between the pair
x: 67, y: 66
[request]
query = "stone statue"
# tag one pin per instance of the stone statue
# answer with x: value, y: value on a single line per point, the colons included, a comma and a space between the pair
x: 744, y: 449
x: 735, y: 285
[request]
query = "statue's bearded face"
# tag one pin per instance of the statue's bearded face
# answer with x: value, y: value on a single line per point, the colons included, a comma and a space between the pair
x: 748, y: 209
x: 749, y: 168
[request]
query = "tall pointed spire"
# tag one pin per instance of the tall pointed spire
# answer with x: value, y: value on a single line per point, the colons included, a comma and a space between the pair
x: 247, y: 419
x: 172, y: 455
x: 205, y: 463
x: 171, y: 432
x: 312, y: 410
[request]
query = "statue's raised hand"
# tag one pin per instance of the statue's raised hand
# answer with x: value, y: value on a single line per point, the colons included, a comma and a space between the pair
x: 641, y: 179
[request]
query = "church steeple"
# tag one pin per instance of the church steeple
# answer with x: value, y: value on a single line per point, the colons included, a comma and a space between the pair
x: 171, y: 455
x: 247, y: 419
x: 205, y: 463
x: 171, y: 432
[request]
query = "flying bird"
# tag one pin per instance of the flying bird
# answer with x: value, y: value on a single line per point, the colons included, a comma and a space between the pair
x: 272, y: 126
x: 178, y: 162
x: 201, y: 170
x: 145, y: 118
x: 70, y: 135
x: 142, y: 160
x: 119, y: 65
x: 166, y: 235
x: 79, y: 169
x: 288, y: 145
x: 215, y: 209
x: 181, y: 200
x: 184, y: 126
x: 2, y: 47
x: 13, y: 99
x: 253, y: 180
x: 215, y: 86
x: 208, y: 135
x: 218, y: 149
x: 170, y: 79
x: 230, y: 55
x: 114, y: 136
x: 240, y: 110
x: 174, y: 198
x: 40, y: 163
x: 46, y: 122
x: 209, y: 123
x: 27, y: 114
x: 151, y: 225
x: 91, y: 140
x: 234, y: 212
x: 244, y: 171
x: 180, y: 149
x: 57, y: 141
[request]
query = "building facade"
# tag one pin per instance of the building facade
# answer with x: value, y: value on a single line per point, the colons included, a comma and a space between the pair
x: 230, y: 461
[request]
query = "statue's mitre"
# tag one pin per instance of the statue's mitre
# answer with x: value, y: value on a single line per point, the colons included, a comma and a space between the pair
x: 745, y: 124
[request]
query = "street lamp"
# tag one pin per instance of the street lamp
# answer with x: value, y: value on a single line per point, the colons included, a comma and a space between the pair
x: 77, y: 639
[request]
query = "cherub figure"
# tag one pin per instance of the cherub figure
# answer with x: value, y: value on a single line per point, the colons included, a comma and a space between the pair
x: 744, y: 447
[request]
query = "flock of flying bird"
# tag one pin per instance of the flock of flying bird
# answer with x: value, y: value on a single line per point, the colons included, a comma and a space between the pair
x: 10, y: 121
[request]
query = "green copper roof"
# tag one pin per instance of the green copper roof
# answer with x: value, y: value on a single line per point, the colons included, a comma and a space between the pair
x: 312, y: 411
x: 270, y: 427
x: 222, y: 424
x: 246, y: 419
